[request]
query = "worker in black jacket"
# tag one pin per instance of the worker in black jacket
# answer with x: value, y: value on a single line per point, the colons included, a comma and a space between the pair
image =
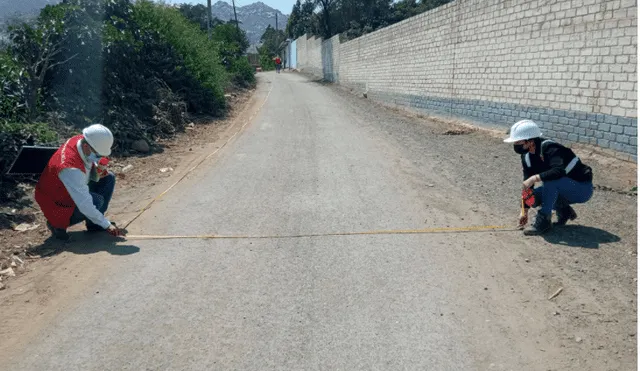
x: 565, y: 179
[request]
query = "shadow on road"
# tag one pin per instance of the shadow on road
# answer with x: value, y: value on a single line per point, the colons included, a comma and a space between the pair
x: 83, y: 243
x: 580, y: 236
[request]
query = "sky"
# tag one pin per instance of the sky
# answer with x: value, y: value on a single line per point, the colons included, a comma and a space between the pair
x: 284, y: 6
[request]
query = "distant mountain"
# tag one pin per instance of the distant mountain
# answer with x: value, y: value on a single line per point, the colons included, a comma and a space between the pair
x: 254, y: 18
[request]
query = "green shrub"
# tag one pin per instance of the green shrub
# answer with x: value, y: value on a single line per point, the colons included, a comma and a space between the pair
x: 201, y: 57
x: 137, y: 67
x: 243, y: 73
x: 267, y: 63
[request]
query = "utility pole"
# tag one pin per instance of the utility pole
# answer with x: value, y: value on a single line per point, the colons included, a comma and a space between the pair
x: 209, y: 18
x: 235, y: 15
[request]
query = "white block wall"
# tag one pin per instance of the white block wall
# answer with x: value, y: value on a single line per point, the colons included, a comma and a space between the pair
x: 569, y: 64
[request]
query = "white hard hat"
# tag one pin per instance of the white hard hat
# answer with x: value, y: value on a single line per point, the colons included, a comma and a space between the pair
x: 99, y: 138
x: 523, y: 130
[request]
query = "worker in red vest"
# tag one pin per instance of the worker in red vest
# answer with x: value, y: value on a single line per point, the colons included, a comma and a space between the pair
x: 278, y: 64
x: 72, y: 190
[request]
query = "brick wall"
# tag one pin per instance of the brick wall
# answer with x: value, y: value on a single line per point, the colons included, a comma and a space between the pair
x: 568, y: 64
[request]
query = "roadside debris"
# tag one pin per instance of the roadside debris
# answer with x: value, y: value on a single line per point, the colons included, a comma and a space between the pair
x: 455, y: 132
x: 25, y: 227
x: 166, y: 169
x: 558, y: 291
x: 8, y: 272
x: 41, y: 254
x: 127, y: 168
x: 140, y: 146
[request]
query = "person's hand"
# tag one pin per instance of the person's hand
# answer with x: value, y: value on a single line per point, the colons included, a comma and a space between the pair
x: 522, y: 222
x: 115, y: 231
x: 102, y: 167
x: 530, y: 182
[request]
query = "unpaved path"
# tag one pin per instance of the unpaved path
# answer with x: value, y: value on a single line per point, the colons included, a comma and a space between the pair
x: 318, y: 160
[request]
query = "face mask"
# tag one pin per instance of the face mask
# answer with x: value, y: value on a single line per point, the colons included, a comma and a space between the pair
x: 93, y: 157
x: 519, y: 149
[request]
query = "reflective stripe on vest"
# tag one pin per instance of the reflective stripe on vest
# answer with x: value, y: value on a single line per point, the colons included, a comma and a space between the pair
x: 567, y: 169
x: 571, y: 165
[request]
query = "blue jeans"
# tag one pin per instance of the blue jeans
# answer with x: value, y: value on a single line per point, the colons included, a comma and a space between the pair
x: 101, y: 193
x: 562, y: 192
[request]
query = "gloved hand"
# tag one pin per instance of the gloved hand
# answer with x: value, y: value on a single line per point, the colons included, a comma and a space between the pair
x: 531, y: 182
x: 522, y: 222
x: 115, y: 231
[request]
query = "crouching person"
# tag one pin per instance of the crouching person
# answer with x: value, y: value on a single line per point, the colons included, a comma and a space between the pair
x: 565, y: 179
x: 72, y: 190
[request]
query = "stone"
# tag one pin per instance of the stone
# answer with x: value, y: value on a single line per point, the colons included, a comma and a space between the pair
x: 8, y: 272
x: 25, y: 227
x: 140, y: 146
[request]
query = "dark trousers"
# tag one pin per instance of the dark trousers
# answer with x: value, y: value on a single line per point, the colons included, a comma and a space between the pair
x: 562, y: 192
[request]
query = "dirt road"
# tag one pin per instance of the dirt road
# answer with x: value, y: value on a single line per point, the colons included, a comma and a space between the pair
x: 318, y: 160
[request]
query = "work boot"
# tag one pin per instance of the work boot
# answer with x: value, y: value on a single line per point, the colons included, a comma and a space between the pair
x: 58, y: 233
x: 565, y: 214
x: 540, y: 226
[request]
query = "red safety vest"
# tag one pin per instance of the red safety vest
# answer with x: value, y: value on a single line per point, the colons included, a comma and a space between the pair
x: 277, y: 60
x: 52, y: 196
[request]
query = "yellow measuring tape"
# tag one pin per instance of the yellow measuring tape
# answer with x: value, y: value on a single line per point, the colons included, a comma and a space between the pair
x: 494, y: 228
x: 375, y: 232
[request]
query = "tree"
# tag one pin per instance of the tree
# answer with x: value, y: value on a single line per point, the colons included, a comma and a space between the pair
x: 351, y: 18
x: 233, y: 41
x: 271, y: 40
x: 198, y: 14
x: 326, y: 9
x: 270, y: 48
x: 36, y: 47
x: 294, y: 19
x: 303, y: 20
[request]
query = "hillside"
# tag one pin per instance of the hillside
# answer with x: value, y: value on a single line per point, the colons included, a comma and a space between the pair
x: 254, y: 18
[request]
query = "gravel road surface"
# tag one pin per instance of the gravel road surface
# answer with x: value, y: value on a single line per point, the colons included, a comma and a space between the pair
x: 317, y: 160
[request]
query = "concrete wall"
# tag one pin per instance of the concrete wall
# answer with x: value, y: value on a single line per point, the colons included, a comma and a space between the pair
x: 301, y: 50
x: 293, y: 53
x: 568, y: 64
x: 330, y: 54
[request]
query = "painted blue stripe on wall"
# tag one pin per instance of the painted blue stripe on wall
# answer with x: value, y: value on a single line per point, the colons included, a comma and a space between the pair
x: 607, y: 131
